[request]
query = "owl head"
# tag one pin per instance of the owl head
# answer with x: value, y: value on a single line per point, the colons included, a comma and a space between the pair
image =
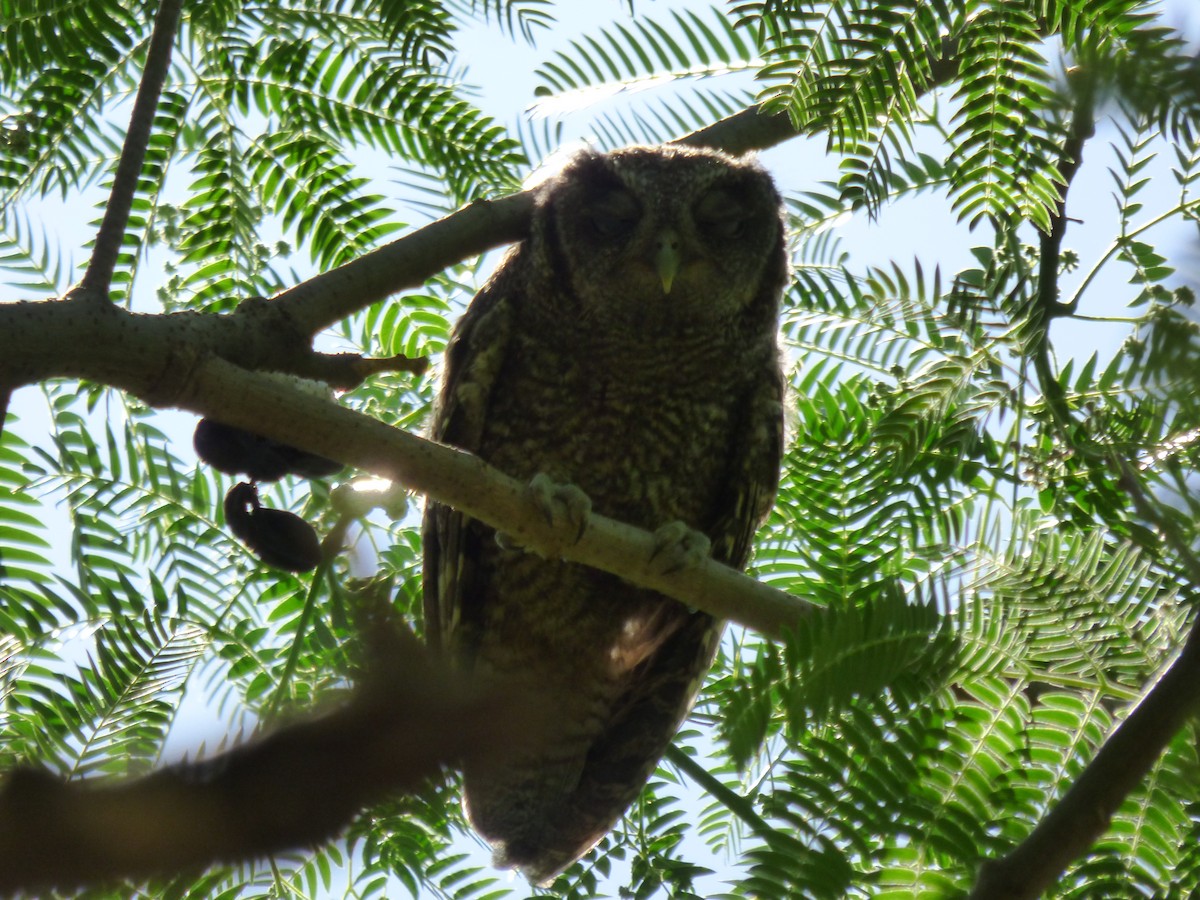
x: 656, y: 238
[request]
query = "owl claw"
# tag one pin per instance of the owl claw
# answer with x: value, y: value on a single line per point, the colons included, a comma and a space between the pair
x: 560, y: 504
x: 677, y: 547
x: 558, y: 501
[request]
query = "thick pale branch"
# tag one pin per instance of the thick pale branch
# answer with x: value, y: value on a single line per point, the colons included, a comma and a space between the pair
x: 77, y: 339
x: 178, y: 361
x: 260, y: 798
x: 460, y: 480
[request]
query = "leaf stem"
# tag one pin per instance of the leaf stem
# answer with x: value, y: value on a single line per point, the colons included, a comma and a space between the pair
x: 733, y: 801
x: 329, y: 550
x: 1115, y: 247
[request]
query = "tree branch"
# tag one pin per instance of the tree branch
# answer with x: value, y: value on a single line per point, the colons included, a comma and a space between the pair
x: 299, y: 785
x: 407, y: 262
x: 1083, y: 126
x: 411, y: 260
x: 97, y: 280
x: 458, y: 479
x: 179, y: 360
x: 1046, y: 303
x: 1085, y: 810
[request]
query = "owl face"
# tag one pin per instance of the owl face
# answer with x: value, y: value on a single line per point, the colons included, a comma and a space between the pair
x: 654, y: 237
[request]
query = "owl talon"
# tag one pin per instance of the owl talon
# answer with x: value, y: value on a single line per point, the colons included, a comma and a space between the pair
x: 561, y: 505
x: 561, y: 502
x: 678, y: 547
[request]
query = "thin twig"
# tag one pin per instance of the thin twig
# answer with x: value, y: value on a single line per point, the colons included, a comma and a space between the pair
x: 1149, y: 510
x: 333, y: 544
x: 349, y: 370
x: 96, y: 281
x: 733, y: 801
x: 1182, y: 211
x: 755, y: 129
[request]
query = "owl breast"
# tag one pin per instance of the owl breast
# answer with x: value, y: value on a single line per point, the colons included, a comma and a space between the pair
x: 644, y: 434
x: 646, y: 437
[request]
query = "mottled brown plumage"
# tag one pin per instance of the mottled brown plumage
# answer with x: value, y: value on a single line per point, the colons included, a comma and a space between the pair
x: 628, y: 347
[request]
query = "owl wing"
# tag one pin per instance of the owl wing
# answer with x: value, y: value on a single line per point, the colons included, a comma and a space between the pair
x: 752, y: 477
x: 450, y: 540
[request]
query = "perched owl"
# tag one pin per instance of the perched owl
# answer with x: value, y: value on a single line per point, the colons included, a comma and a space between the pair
x: 626, y: 348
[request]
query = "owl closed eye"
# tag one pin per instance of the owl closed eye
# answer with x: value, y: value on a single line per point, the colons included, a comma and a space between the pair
x: 614, y: 215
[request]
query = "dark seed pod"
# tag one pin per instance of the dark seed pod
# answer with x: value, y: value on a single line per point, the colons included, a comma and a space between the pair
x: 279, y: 538
x: 236, y: 451
x: 308, y: 465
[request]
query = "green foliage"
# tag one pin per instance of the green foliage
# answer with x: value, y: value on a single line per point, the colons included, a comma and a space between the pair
x: 998, y: 543
x: 267, y: 111
x: 692, y: 45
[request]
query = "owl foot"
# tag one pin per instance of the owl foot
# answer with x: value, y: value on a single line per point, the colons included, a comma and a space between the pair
x: 678, y: 547
x: 565, y: 508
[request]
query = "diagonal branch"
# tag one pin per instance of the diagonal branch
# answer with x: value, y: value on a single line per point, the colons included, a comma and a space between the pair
x: 98, y: 277
x: 1085, y: 810
x: 407, y: 262
x: 755, y: 129
x: 484, y: 225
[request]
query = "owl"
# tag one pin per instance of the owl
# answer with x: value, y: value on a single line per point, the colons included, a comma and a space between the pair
x: 627, y: 348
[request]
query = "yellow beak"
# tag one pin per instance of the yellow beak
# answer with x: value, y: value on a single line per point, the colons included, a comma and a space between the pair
x: 667, y: 260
